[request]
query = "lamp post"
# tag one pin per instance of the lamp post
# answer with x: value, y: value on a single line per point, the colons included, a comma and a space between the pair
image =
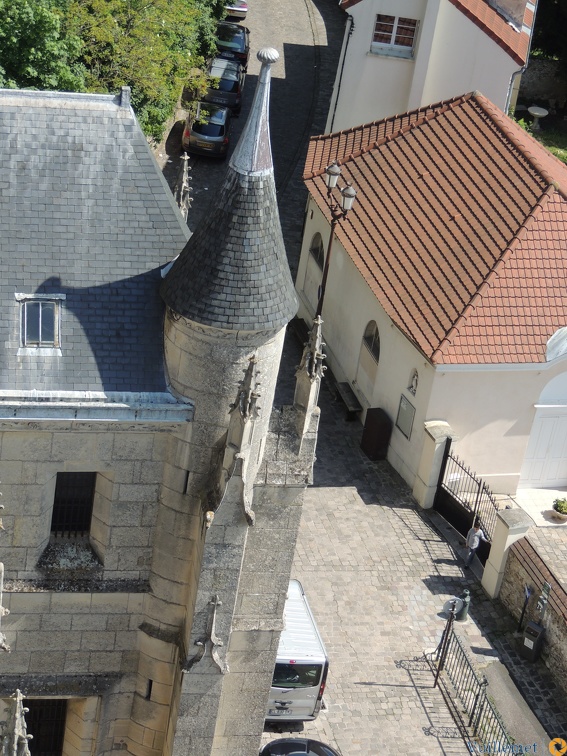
x: 338, y: 212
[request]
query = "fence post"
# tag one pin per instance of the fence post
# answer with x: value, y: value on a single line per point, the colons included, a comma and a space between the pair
x: 480, y: 696
x: 445, y: 640
x: 511, y: 525
x: 438, y: 434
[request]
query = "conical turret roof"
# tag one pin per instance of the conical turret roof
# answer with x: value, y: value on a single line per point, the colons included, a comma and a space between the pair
x: 233, y: 273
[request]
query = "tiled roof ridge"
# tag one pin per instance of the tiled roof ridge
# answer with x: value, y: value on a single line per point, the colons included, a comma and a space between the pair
x: 506, y: 126
x: 500, y: 263
x: 429, y: 112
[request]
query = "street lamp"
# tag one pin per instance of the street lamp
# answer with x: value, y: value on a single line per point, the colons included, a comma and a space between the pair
x: 338, y: 211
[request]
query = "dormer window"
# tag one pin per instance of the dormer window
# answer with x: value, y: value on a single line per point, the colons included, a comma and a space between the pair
x: 40, y: 316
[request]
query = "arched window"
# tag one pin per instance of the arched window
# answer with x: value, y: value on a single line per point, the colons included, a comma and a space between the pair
x: 372, y: 339
x: 316, y: 249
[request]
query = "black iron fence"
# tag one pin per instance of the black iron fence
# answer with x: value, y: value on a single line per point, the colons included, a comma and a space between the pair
x: 456, y: 672
x: 465, y: 496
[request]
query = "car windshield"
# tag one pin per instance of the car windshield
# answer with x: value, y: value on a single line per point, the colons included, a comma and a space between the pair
x: 232, y: 38
x: 297, y: 675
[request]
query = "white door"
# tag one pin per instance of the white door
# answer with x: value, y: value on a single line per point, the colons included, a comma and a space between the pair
x: 545, y: 463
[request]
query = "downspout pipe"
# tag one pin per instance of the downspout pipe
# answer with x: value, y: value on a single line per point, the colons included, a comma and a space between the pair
x: 522, y: 70
x: 348, y: 33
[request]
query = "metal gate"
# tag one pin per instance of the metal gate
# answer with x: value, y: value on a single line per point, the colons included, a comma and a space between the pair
x: 461, y: 497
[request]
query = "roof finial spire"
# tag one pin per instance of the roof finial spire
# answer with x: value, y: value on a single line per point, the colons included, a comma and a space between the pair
x: 253, y: 154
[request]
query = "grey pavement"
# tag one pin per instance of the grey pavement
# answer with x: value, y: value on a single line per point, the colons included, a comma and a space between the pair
x: 377, y: 571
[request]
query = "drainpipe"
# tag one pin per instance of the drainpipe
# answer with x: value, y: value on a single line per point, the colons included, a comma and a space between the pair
x: 349, y: 30
x: 523, y: 68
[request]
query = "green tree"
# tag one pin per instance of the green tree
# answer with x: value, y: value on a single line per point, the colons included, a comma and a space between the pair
x: 550, y: 38
x: 34, y: 52
x: 150, y: 45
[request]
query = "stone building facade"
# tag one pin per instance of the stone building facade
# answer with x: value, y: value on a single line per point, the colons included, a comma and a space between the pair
x: 152, y: 492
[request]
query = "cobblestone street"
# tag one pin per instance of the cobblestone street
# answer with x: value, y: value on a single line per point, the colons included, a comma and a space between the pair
x: 377, y: 572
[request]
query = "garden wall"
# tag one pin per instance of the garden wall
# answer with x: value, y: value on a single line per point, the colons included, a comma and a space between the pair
x: 525, y: 567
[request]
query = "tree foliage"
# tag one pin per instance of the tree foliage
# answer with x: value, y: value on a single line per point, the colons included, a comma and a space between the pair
x: 34, y: 52
x: 101, y: 45
x: 550, y: 38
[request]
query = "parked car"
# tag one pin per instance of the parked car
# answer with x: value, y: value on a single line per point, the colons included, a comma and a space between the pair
x: 236, y: 9
x: 229, y: 80
x: 297, y: 747
x: 207, y: 131
x: 233, y: 42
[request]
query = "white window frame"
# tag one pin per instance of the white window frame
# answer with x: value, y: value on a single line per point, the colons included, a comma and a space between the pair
x: 53, y: 348
x: 391, y: 48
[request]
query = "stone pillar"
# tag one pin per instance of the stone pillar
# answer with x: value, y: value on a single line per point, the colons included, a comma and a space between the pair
x: 429, y: 469
x: 511, y: 525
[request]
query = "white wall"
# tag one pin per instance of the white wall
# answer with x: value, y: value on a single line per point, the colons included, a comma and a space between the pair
x: 463, y: 59
x: 373, y: 85
x: 453, y: 56
x: 491, y: 409
x: 349, y: 306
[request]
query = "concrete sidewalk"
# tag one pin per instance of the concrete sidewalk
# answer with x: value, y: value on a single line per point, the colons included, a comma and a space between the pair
x: 377, y: 571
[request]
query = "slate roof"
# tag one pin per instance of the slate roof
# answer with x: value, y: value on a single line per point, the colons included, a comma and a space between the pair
x: 85, y: 212
x: 493, y: 23
x: 459, y: 228
x: 233, y: 273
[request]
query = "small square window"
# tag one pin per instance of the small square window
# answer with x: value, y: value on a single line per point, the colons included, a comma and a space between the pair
x: 40, y: 317
x: 394, y: 35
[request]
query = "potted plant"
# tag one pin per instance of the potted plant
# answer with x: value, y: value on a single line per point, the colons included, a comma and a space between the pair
x: 560, y: 509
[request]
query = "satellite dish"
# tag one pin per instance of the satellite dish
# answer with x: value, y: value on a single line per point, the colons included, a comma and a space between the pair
x: 448, y: 605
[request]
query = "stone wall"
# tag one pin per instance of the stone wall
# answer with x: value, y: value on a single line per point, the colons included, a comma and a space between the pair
x: 76, y: 645
x: 525, y: 567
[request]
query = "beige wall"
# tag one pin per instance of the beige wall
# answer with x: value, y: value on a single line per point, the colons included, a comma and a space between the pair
x: 452, y: 56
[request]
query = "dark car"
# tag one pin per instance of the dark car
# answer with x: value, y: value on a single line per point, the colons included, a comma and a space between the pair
x: 297, y: 747
x: 207, y: 131
x: 233, y: 42
x: 228, y: 80
x: 236, y: 9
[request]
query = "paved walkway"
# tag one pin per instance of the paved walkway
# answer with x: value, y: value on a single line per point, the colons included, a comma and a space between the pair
x: 377, y: 571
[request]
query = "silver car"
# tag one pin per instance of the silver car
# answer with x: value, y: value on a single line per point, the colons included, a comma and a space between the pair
x: 207, y: 132
x: 228, y: 80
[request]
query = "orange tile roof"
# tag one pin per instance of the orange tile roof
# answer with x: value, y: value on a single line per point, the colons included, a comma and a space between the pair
x: 515, y: 43
x: 459, y: 228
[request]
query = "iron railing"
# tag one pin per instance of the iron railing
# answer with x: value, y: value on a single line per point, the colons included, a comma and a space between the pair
x: 484, y: 722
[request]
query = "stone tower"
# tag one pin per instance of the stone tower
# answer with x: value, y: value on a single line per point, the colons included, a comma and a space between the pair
x: 233, y: 486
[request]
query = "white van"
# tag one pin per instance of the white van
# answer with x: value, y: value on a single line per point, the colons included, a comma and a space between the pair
x: 301, y: 664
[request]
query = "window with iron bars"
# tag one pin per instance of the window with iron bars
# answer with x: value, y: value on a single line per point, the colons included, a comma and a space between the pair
x: 45, y: 720
x: 73, y: 504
